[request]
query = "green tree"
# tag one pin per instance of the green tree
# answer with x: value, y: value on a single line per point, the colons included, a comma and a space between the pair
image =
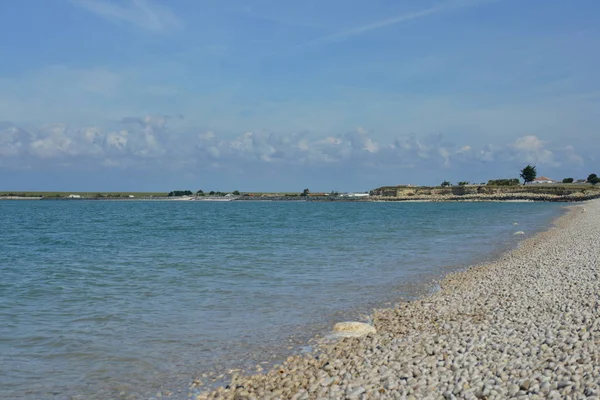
x: 176, y: 193
x: 463, y: 183
x: 528, y: 174
x: 593, y: 179
x: 236, y: 192
x: 305, y: 192
x: 568, y: 180
x: 212, y: 193
x: 200, y: 193
x: 445, y: 184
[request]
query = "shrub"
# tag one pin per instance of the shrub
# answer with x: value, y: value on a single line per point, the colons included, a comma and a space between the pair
x: 504, y: 182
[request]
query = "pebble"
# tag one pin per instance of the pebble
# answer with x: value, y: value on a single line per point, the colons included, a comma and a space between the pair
x: 524, y: 326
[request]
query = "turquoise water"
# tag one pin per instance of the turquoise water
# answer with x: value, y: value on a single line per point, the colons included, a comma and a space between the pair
x: 104, y: 299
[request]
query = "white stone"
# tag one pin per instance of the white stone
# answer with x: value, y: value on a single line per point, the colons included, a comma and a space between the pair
x: 353, y: 329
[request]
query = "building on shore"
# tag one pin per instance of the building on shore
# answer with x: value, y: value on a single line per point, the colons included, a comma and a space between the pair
x: 543, y: 179
x: 354, y: 195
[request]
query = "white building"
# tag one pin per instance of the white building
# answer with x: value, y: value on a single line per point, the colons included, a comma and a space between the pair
x: 74, y: 196
x: 354, y: 195
x: 543, y: 179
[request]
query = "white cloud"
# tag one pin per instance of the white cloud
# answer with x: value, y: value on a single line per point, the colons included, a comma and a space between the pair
x: 529, y: 143
x: 360, y: 30
x: 141, y: 13
x: 445, y: 154
x: 150, y: 142
x: 533, y: 150
x: 52, y: 142
x: 117, y: 140
x: 59, y: 141
x: 13, y: 140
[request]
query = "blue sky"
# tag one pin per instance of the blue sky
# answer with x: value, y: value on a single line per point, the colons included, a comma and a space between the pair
x: 277, y: 95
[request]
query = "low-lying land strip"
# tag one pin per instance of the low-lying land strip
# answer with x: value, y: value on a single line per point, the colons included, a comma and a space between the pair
x: 545, y: 192
x: 79, y: 195
x: 524, y: 326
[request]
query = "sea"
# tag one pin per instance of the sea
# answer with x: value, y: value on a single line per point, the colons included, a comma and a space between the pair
x: 135, y: 299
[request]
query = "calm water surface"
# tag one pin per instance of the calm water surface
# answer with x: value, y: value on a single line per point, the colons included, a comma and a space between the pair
x: 127, y: 299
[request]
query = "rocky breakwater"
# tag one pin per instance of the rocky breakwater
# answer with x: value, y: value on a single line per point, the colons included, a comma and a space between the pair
x: 554, y: 193
x: 517, y: 196
x: 525, y: 326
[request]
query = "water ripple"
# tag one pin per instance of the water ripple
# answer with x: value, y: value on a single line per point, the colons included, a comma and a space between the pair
x: 99, y: 298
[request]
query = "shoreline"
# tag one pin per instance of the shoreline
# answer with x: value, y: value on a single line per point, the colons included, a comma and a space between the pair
x: 467, y: 193
x: 362, y: 367
x: 495, y: 198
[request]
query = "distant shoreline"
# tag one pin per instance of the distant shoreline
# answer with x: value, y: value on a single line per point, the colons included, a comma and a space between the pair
x: 467, y: 193
x: 373, y: 199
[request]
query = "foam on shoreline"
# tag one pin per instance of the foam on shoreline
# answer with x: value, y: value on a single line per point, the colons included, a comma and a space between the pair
x: 525, y: 325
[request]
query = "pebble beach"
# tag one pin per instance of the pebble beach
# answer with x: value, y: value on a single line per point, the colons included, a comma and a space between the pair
x: 525, y: 326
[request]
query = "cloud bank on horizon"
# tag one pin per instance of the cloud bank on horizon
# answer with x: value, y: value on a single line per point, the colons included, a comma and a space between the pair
x: 154, y: 95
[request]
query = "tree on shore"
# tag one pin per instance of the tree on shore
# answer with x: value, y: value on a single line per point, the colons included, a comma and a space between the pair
x: 568, y: 180
x: 463, y: 183
x: 593, y: 179
x: 236, y: 192
x: 176, y: 193
x: 200, y: 193
x: 445, y: 184
x: 528, y: 174
x: 305, y: 192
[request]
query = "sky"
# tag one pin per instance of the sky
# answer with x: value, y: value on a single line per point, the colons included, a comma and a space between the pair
x: 270, y: 95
